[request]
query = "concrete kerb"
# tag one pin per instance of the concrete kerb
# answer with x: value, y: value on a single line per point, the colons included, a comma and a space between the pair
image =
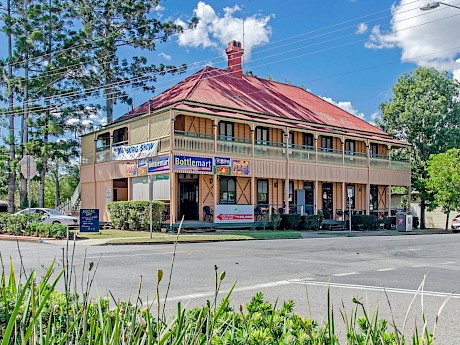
x: 304, y: 234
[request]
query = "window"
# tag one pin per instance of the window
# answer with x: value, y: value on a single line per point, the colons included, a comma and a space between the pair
x: 309, y: 197
x: 349, y: 147
x: 291, y: 139
x: 262, y: 191
x: 103, y: 142
x: 374, y: 150
x: 308, y: 141
x: 227, y: 190
x: 374, y: 198
x: 352, y: 199
x: 291, y: 192
x: 120, y: 136
x: 226, y: 130
x: 326, y: 144
x: 262, y: 136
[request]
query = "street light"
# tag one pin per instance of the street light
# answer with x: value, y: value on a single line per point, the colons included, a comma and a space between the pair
x: 432, y: 5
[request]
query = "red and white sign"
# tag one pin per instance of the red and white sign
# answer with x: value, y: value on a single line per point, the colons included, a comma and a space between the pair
x: 234, y: 214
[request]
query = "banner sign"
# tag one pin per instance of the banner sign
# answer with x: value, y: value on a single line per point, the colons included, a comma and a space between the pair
x: 234, y: 214
x: 89, y: 220
x: 240, y: 167
x: 123, y: 153
x: 158, y: 164
x: 223, y: 171
x: 131, y: 169
x: 192, y: 163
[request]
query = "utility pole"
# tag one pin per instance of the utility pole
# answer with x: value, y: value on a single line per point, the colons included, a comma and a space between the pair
x: 12, y: 174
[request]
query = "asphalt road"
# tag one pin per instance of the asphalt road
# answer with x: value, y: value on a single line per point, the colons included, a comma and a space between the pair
x: 383, y: 272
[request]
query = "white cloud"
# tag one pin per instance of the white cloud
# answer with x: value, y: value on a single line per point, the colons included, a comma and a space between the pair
x: 165, y: 56
x: 428, y: 39
x: 347, y: 106
x: 361, y: 29
x: 216, y: 31
x: 374, y: 117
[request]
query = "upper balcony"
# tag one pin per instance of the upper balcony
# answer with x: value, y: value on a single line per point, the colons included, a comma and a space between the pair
x: 241, y: 147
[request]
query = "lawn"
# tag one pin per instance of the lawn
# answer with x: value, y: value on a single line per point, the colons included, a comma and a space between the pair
x: 123, y: 236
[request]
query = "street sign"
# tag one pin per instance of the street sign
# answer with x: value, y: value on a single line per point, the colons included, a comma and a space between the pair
x: 28, y: 166
x: 350, y: 192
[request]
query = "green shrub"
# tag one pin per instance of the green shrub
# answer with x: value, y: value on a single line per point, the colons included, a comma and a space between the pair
x: 363, y: 222
x: 289, y: 221
x: 30, y: 225
x: 134, y: 215
x: 415, y: 222
x: 276, y: 221
x: 311, y: 222
x: 389, y: 223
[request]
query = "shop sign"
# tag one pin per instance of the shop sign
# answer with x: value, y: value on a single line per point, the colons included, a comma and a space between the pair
x: 158, y: 164
x: 234, y: 214
x: 131, y: 169
x: 128, y: 152
x: 240, y: 167
x: 141, y: 167
x: 222, y: 162
x: 223, y: 171
x: 89, y: 220
x: 192, y: 163
x: 160, y: 177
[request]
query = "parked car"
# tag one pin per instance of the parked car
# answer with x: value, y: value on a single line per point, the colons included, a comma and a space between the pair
x: 456, y: 224
x: 52, y: 216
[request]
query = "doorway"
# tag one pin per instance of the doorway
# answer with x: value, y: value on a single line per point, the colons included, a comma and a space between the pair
x: 188, y: 197
x: 327, y: 200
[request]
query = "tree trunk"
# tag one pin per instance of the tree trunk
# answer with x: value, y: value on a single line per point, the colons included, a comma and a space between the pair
x: 57, y: 199
x: 12, y: 173
x: 25, y: 127
x: 447, y: 221
x: 422, y: 212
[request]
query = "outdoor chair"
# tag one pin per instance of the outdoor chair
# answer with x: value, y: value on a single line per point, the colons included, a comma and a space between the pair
x: 207, y: 213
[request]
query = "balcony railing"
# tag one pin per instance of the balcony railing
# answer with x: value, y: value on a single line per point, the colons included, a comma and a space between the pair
x: 103, y: 156
x: 356, y: 159
x: 302, y: 153
x: 198, y: 142
x: 237, y: 146
x: 330, y: 156
x: 269, y: 149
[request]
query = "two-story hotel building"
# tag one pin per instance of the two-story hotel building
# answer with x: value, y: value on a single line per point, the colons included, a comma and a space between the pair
x: 226, y: 147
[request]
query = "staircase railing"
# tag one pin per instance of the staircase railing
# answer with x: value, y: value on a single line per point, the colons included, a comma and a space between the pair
x: 69, y: 205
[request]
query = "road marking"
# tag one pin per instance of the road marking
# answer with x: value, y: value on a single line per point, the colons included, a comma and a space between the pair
x: 344, y: 274
x: 378, y: 288
x: 447, y: 263
x: 386, y: 269
x: 246, y: 288
x: 418, y: 266
x: 126, y: 255
x: 413, y: 250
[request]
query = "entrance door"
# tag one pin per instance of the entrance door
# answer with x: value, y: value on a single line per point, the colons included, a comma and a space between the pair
x: 188, y: 199
x: 327, y: 200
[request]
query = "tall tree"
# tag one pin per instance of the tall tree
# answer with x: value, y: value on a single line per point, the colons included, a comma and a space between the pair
x: 443, y: 180
x: 111, y: 24
x: 425, y: 111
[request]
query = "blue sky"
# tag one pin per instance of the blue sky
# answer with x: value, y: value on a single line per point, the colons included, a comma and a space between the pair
x: 350, y: 52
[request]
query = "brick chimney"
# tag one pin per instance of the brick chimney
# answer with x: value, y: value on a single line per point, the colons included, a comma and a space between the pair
x: 234, y: 54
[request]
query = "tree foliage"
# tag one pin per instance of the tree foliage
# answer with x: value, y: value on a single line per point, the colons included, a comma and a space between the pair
x: 425, y: 111
x: 443, y: 180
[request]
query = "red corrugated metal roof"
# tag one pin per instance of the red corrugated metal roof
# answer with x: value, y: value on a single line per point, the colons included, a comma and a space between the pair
x: 216, y: 87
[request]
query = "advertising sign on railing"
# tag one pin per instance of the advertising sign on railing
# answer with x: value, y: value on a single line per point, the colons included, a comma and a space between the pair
x: 240, y: 167
x: 158, y: 164
x: 223, y: 166
x: 131, y: 169
x: 142, y: 167
x: 129, y: 152
x: 234, y: 214
x: 191, y: 163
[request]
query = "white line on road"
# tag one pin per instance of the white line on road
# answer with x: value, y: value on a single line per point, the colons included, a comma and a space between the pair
x: 413, y: 250
x: 386, y: 269
x: 418, y: 266
x: 126, y: 255
x: 377, y: 288
x: 344, y: 274
x: 246, y: 288
x: 447, y: 263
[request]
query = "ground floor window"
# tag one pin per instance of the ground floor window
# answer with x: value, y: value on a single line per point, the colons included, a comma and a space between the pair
x: 227, y: 190
x: 262, y: 192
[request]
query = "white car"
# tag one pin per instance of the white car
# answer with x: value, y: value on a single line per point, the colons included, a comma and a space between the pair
x: 456, y: 224
x: 52, y: 216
